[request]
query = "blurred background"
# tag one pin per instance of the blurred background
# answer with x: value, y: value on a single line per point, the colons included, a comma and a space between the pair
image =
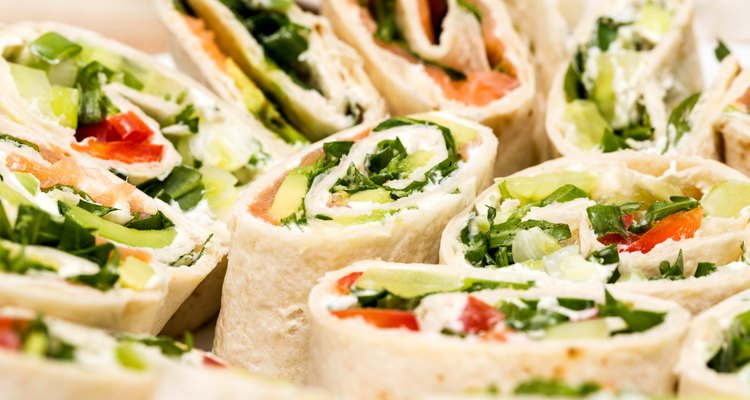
x: 135, y: 22
x: 130, y: 21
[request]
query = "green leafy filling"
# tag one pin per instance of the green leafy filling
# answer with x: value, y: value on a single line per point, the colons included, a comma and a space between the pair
x: 493, y: 247
x: 554, y: 387
x: 734, y: 354
x: 388, y: 163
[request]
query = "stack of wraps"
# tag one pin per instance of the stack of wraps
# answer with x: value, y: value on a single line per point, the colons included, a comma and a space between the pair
x: 399, y: 331
x: 670, y: 226
x: 631, y: 83
x: 713, y: 363
x: 460, y: 56
x: 281, y: 64
x: 80, y: 243
x: 382, y: 190
x: 159, y: 130
x: 39, y: 353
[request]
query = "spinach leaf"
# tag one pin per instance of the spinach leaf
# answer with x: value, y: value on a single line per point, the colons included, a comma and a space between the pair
x: 674, y: 271
x: 605, y: 32
x: 721, y: 51
x: 735, y: 352
x: 635, y: 320
x: 50, y: 346
x: 606, y: 219
x: 168, y: 346
x: 605, y: 256
x: 190, y: 258
x: 183, y: 185
x: 107, y: 275
x: 15, y: 262
x: 525, y: 315
x: 573, y: 82
x: 93, y: 105
x: 353, y: 182
x: 564, y: 194
x: 96, y: 209
x: 704, y: 269
x: 662, y: 209
x: 554, y: 388
x: 679, y: 120
x: 155, y: 222
x: 188, y: 117
x: 20, y: 143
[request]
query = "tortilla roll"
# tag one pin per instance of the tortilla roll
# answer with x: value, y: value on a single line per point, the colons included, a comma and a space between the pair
x: 460, y: 57
x: 669, y: 226
x: 281, y: 64
x: 40, y: 352
x: 634, y: 67
x: 709, y: 365
x: 117, y: 258
x: 384, y: 190
x: 732, y: 124
x: 421, y: 332
x: 121, y: 109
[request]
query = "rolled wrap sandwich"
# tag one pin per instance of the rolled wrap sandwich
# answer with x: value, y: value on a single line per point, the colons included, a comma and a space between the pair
x: 82, y: 244
x: 384, y: 190
x: 43, y: 357
x: 669, y: 226
x: 732, y: 124
x: 636, y: 60
x: 423, y: 329
x: 712, y: 363
x: 155, y: 126
x: 459, y: 56
x: 281, y: 64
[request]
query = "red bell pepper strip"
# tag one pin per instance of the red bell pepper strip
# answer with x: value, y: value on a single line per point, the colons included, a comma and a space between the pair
x: 344, y: 284
x: 387, y: 319
x: 678, y: 226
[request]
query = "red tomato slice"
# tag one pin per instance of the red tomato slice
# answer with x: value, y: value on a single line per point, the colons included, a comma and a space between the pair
x: 479, y: 316
x: 678, y: 226
x: 388, y: 319
x: 130, y: 127
x: 344, y: 284
x: 126, y: 152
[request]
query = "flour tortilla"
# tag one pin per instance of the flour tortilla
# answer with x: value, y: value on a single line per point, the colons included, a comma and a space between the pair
x: 704, y: 339
x: 262, y: 324
x: 407, y: 88
x: 412, y: 364
x: 695, y: 294
x: 675, y: 60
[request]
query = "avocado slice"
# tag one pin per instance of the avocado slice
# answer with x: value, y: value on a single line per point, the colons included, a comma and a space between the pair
x: 588, y: 121
x: 118, y: 233
x: 257, y: 103
x: 290, y: 196
x: 134, y: 273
